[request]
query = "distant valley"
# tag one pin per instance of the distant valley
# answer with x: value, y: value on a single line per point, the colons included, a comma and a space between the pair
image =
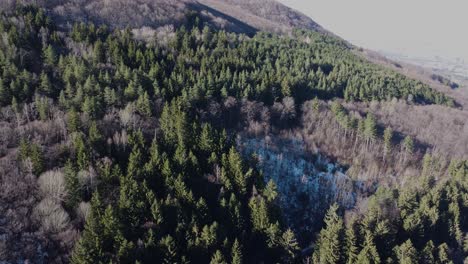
x: 456, y: 69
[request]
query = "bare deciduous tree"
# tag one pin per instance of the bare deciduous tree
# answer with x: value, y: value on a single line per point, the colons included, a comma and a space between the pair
x: 52, y: 185
x: 82, y: 211
x: 52, y: 217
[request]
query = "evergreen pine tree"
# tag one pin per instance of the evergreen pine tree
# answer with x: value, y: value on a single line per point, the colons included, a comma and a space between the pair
x: 90, y: 106
x: 368, y: 254
x: 49, y: 55
x: 42, y: 106
x: 156, y: 213
x: 330, y: 242
x: 218, y: 258
x: 387, y: 137
x: 443, y: 254
x: 370, y: 128
x: 36, y: 159
x: 289, y: 245
x: 144, y: 105
x: 110, y: 96
x: 207, y: 143
x: 110, y: 228
x: 90, y: 247
x: 74, y: 122
x: 259, y: 213
x: 72, y: 184
x: 427, y: 255
x: 62, y: 101
x: 169, y: 250
x: 270, y: 192
x: 24, y: 148
x: 408, y: 145
x: 406, y: 253
x: 94, y: 135
x: 235, y: 170
x: 45, y: 84
x: 82, y: 153
x: 99, y: 52
x: 351, y: 245
x: 236, y: 255
x: 132, y: 203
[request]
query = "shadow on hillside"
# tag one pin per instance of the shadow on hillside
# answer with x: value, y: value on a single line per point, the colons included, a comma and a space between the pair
x: 235, y: 25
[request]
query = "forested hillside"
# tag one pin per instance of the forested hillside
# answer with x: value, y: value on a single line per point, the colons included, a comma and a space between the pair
x: 242, y: 16
x: 117, y: 150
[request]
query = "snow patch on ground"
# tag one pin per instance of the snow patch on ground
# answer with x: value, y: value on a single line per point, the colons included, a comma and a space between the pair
x: 307, y: 183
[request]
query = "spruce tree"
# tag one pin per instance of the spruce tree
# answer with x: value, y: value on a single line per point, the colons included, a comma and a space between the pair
x: 270, y: 192
x: 131, y: 204
x: 443, y: 254
x: 369, y: 253
x: 72, y: 184
x: 99, y: 52
x: 207, y: 143
x: 406, y: 253
x: 289, y: 245
x: 408, y: 145
x: 169, y: 250
x: 49, y: 55
x: 37, y: 159
x: 218, y: 258
x: 74, y: 122
x: 236, y: 253
x: 82, y: 152
x: 427, y: 254
x: 62, y: 100
x: 259, y: 213
x: 144, y: 105
x: 94, y: 135
x: 24, y: 149
x: 90, y: 247
x: 91, y: 107
x: 370, y: 128
x: 42, y: 106
x: 45, y: 84
x: 330, y: 247
x: 156, y: 213
x: 235, y: 171
x: 351, y: 249
x: 387, y: 138
x: 110, y: 228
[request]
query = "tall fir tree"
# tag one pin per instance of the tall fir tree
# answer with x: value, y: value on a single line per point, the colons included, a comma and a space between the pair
x: 90, y: 247
x: 330, y: 244
x: 236, y: 253
x: 369, y: 253
x: 406, y: 253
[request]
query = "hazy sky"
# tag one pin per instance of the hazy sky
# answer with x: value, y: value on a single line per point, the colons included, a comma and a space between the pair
x: 412, y: 27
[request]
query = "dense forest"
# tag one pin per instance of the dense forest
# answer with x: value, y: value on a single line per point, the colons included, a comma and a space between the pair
x: 118, y: 150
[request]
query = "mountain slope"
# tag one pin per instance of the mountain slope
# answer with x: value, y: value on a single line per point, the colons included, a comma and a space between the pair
x: 206, y: 149
x: 267, y: 15
x: 241, y: 16
x: 431, y: 77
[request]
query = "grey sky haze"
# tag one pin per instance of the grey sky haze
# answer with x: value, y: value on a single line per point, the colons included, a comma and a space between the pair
x: 412, y: 27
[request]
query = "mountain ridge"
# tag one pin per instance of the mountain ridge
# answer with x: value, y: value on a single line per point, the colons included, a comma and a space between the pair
x: 239, y: 16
